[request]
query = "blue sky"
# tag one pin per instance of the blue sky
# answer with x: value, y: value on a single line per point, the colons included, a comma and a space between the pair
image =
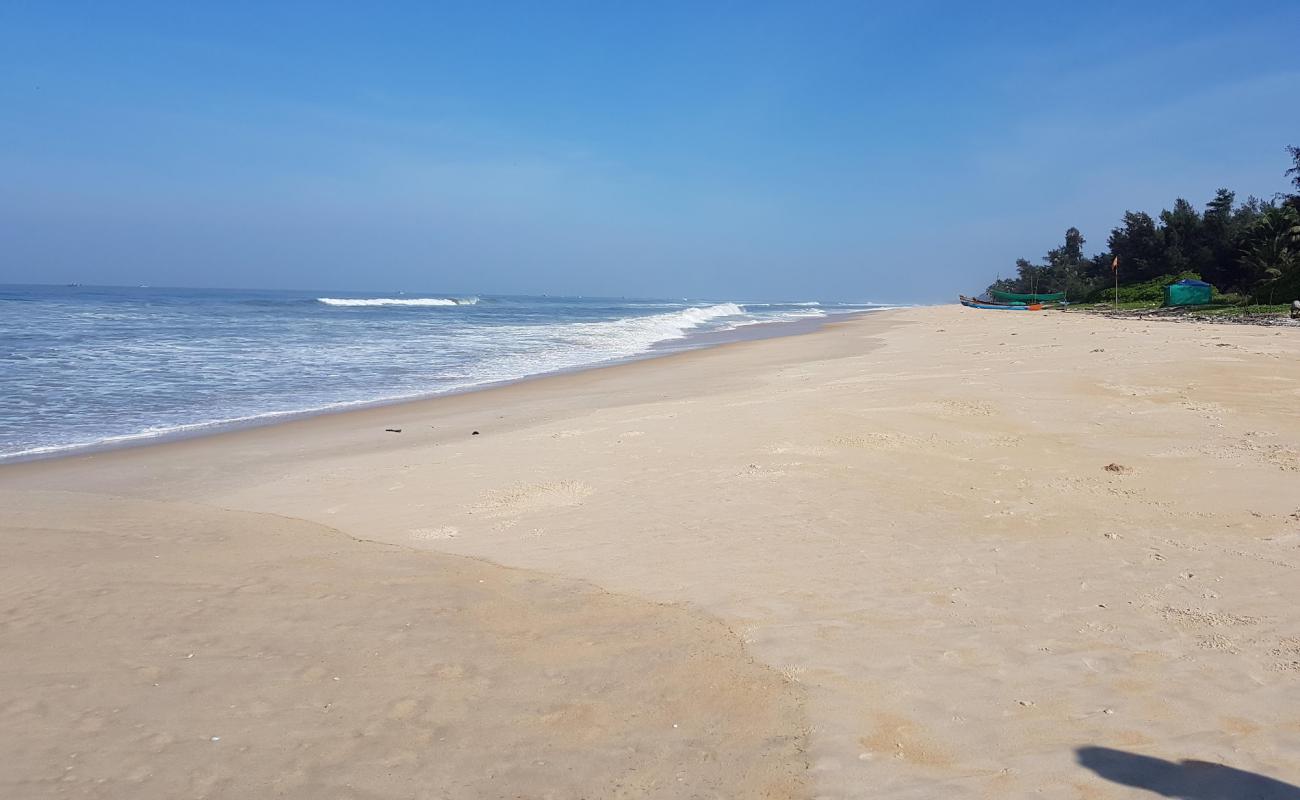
x: 725, y: 150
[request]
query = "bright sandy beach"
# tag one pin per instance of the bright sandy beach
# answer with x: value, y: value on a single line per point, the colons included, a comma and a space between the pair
x: 922, y: 553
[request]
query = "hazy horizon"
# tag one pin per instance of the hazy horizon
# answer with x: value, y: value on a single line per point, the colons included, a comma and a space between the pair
x: 451, y: 294
x: 739, y: 151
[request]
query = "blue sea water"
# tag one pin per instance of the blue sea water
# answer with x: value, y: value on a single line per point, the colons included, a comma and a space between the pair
x: 83, y: 366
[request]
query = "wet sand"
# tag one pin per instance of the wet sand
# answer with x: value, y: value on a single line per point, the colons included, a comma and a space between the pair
x: 175, y: 650
x: 927, y: 552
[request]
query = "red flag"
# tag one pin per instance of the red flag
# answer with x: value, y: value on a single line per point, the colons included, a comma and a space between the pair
x: 1114, y: 265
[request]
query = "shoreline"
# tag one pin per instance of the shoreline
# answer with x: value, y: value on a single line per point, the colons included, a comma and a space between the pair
x: 691, y: 342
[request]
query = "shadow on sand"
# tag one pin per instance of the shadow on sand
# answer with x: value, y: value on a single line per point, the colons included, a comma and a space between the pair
x: 1186, y: 780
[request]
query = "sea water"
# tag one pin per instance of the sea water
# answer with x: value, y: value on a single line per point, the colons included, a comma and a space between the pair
x: 89, y: 366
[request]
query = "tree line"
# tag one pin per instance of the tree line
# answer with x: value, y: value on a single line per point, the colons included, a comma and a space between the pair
x: 1249, y: 251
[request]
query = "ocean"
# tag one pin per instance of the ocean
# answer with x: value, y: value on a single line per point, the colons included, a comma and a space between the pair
x: 91, y: 366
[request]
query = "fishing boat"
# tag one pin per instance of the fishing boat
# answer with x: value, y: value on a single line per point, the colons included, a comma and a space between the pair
x: 971, y: 302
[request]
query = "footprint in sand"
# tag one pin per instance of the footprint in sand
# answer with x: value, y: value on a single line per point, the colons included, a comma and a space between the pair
x: 790, y: 448
x: 1196, y: 618
x: 903, y: 739
x: 403, y: 709
x: 1137, y: 391
x: 873, y: 441
x: 425, y: 534
x: 521, y: 498
x: 567, y: 434
x: 1253, y: 445
x: 959, y: 408
x: 1288, y: 654
x: 760, y: 471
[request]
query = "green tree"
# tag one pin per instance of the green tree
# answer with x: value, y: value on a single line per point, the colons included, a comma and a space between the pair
x: 1067, y: 269
x: 1219, y: 210
x: 1074, y: 242
x: 1138, y: 246
x: 1219, y: 234
x: 1180, y: 239
x: 1271, y: 254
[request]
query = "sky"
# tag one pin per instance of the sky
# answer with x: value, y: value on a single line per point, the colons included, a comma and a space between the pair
x: 748, y: 150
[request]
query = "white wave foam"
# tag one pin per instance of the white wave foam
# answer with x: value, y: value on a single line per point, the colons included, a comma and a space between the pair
x: 546, y: 348
x: 398, y: 301
x: 784, y: 316
x: 631, y: 335
x: 701, y: 315
x: 531, y: 350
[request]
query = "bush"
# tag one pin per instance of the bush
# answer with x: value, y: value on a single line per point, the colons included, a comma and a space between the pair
x: 1286, y: 289
x: 1152, y: 291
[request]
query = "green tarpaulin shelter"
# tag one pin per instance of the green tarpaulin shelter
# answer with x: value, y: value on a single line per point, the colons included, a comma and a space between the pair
x: 1188, y: 293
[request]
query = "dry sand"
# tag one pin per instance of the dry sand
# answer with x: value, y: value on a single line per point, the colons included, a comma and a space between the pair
x: 885, y: 559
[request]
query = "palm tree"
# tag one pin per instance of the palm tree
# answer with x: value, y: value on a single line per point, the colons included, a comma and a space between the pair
x: 1274, y: 249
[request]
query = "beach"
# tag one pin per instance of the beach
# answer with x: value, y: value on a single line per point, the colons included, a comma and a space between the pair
x: 921, y: 552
